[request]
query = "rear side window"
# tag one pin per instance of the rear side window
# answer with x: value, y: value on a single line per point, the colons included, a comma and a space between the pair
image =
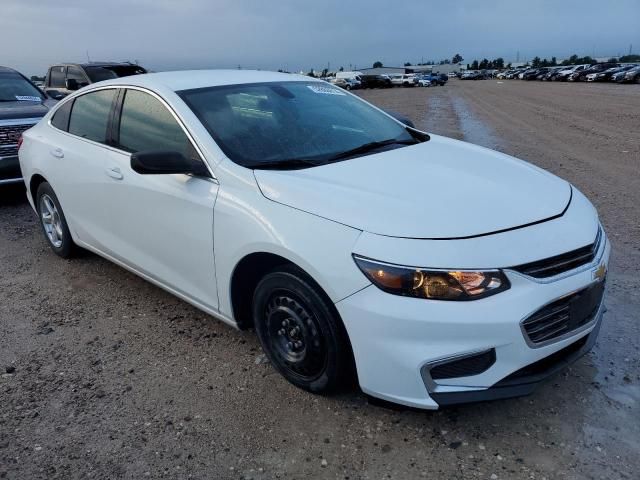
x: 56, y: 77
x: 90, y: 115
x: 146, y: 124
x: 60, y: 119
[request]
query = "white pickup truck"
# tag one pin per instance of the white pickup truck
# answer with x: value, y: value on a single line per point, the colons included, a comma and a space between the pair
x: 404, y: 80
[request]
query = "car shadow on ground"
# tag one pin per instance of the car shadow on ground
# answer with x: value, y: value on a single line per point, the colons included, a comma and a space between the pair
x: 12, y: 195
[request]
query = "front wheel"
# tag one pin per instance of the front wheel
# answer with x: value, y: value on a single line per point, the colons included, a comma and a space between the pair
x: 53, y: 222
x: 300, y: 332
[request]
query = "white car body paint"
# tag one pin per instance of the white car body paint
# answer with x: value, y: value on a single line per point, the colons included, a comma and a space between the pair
x: 435, y: 205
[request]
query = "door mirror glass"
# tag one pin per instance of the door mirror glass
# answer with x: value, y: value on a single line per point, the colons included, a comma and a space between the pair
x: 161, y: 162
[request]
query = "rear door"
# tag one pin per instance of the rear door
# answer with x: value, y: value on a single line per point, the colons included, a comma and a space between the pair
x: 162, y: 224
x: 78, y: 151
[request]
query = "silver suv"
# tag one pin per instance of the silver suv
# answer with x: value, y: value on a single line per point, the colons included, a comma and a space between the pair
x: 22, y: 105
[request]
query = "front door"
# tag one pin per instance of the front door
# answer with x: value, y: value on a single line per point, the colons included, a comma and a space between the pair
x: 162, y: 224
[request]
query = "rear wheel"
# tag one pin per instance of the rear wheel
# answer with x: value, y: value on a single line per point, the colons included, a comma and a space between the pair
x: 300, y: 331
x: 53, y: 222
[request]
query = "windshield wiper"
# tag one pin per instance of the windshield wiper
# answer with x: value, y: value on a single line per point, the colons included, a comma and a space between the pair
x: 298, y: 163
x: 368, y: 147
x: 288, y: 164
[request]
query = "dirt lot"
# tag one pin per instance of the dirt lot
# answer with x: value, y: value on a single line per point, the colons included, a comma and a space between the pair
x: 110, y: 377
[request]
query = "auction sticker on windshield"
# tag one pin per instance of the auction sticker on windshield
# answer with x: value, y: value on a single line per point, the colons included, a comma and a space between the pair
x: 325, y: 90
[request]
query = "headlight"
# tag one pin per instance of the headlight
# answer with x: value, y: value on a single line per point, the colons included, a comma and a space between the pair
x: 433, y: 284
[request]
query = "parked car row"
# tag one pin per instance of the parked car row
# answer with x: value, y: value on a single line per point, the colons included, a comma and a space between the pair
x: 599, y: 72
x: 356, y: 80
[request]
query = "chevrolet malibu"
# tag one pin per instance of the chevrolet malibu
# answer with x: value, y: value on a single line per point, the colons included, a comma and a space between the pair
x: 431, y: 271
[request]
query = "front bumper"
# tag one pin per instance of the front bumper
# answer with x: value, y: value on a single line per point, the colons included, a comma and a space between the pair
x: 395, y: 339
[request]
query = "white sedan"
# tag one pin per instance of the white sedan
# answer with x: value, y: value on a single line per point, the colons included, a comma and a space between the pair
x: 432, y: 270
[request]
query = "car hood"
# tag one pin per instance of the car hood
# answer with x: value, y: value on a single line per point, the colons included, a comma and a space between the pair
x: 442, y: 188
x: 21, y: 109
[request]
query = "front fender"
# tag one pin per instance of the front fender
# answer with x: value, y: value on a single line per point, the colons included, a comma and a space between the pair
x: 246, y: 222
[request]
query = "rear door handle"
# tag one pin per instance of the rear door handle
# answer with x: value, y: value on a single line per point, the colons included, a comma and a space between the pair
x: 57, y: 152
x: 114, y: 172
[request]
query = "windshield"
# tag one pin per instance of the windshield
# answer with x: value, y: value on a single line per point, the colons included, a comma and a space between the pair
x: 268, y: 123
x: 14, y: 88
x: 97, y: 74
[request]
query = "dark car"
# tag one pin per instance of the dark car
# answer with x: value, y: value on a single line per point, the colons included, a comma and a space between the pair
x: 474, y: 76
x: 22, y: 105
x: 606, y: 75
x: 597, y: 68
x: 542, y: 72
x: 65, y: 78
x: 630, y: 76
x: 375, y: 81
x: 533, y: 73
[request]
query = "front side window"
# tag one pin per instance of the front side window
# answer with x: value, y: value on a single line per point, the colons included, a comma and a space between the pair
x: 76, y: 73
x: 15, y: 88
x: 267, y: 123
x: 56, y: 77
x: 90, y: 115
x: 146, y: 125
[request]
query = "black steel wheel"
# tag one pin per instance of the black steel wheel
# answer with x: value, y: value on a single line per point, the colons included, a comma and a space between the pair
x: 300, y: 331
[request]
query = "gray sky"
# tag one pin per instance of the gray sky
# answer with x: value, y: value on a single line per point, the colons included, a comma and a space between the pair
x: 302, y: 34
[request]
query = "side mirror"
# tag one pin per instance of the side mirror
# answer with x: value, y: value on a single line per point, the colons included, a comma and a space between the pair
x: 71, y: 84
x: 166, y: 163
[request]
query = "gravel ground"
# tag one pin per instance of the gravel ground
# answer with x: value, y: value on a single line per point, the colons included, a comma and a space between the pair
x: 106, y: 376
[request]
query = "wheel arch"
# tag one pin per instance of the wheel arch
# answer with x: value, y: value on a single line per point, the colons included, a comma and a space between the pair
x: 247, y: 274
x: 34, y: 182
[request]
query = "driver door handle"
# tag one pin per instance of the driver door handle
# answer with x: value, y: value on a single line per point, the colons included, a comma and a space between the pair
x: 114, y: 172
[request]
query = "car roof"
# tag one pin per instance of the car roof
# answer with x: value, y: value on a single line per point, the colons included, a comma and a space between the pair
x: 7, y: 69
x: 97, y: 64
x: 190, y: 79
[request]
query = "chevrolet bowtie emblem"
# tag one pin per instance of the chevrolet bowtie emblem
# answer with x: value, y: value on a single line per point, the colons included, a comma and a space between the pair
x: 600, y: 272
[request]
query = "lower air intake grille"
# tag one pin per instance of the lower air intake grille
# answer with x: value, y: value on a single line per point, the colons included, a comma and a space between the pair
x: 464, y: 367
x: 564, y: 315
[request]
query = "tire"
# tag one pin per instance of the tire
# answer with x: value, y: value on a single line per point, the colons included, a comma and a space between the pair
x: 300, y: 332
x: 53, y: 222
